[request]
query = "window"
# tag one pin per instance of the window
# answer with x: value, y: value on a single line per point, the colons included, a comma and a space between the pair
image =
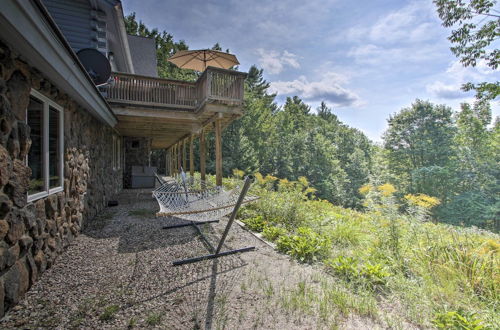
x: 117, y: 144
x: 45, y: 157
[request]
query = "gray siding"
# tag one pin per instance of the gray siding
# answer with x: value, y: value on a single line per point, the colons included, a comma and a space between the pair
x: 74, y: 20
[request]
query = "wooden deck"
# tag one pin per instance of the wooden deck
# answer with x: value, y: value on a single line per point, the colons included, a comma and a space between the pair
x: 169, y: 110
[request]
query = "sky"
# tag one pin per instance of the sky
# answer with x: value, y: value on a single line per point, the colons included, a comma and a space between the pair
x: 365, y: 59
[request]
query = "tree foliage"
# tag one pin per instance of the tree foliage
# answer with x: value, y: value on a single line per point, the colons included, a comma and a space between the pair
x: 453, y: 157
x: 476, y: 29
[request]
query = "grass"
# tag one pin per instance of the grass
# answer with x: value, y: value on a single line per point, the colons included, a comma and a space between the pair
x: 109, y: 313
x: 153, y: 319
x: 391, y: 267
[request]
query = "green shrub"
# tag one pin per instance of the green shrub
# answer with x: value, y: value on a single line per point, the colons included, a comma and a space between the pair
x: 346, y: 267
x: 457, y: 320
x: 273, y: 233
x: 374, y: 274
x: 350, y: 269
x: 256, y: 223
x: 306, y: 245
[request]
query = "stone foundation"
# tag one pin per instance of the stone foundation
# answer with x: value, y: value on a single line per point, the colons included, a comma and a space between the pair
x: 32, y: 235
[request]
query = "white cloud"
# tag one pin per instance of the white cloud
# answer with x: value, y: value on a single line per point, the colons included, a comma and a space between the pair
x: 377, y: 55
x: 328, y: 88
x: 409, y: 24
x: 414, y: 23
x: 449, y: 84
x: 407, y: 35
x: 446, y: 91
x: 274, y: 62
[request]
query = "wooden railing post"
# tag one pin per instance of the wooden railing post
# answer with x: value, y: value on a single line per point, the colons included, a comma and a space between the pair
x: 203, y: 154
x: 209, y: 83
x: 218, y: 151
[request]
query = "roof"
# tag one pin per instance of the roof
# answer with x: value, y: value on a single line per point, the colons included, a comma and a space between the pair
x: 29, y: 28
x: 143, y: 51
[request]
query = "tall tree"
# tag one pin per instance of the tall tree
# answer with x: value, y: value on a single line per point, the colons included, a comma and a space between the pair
x: 419, y: 141
x: 476, y: 26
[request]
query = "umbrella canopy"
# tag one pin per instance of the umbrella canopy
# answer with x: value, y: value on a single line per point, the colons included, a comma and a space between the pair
x: 199, y: 60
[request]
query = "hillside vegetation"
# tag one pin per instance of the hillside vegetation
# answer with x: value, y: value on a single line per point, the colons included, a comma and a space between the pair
x: 431, y: 275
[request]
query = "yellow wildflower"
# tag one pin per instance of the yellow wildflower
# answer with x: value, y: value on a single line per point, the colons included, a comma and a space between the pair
x: 270, y: 178
x: 422, y: 200
x: 238, y: 173
x: 303, y: 181
x: 285, y: 183
x: 365, y: 189
x: 490, y: 246
x: 260, y: 178
x: 386, y: 189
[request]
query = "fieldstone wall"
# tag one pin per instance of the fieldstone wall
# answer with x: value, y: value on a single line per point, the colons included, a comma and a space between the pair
x: 32, y: 235
x: 137, y: 153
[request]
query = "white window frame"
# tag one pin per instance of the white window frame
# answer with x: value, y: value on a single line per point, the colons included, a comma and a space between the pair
x: 46, y: 104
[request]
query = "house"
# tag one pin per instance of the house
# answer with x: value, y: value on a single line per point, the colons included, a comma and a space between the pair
x: 67, y: 146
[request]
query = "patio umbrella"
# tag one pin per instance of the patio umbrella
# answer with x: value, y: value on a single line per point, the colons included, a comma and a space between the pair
x: 199, y: 60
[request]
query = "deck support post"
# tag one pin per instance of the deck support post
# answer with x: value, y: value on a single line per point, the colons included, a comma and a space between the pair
x: 191, y: 156
x: 203, y: 155
x: 184, y: 160
x: 167, y: 162
x: 218, y: 152
x: 179, y: 157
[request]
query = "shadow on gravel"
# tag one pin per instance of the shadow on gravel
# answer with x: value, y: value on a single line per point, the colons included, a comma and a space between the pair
x: 191, y: 296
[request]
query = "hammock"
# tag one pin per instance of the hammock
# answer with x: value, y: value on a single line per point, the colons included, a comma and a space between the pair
x: 201, y: 203
x: 196, y: 200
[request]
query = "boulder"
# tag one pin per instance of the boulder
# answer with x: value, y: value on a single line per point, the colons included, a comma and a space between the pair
x: 4, y: 229
x: 16, y: 226
x: 5, y: 166
x: 19, y: 183
x: 18, y: 92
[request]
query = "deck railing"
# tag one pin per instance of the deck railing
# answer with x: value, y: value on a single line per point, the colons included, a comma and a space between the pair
x: 224, y: 86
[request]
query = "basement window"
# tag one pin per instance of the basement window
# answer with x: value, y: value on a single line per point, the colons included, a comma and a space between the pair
x: 45, y: 158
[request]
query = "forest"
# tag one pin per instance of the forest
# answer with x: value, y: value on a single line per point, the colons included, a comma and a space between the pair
x: 428, y: 152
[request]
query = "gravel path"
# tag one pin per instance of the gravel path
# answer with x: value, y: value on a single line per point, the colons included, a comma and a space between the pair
x: 118, y: 274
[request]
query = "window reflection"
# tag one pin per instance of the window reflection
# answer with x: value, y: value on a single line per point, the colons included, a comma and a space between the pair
x: 35, y: 156
x: 54, y: 140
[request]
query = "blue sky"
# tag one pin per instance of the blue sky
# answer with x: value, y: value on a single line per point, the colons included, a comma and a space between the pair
x: 365, y: 59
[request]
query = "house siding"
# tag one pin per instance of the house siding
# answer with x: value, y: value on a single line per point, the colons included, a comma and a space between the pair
x: 32, y: 235
x: 74, y: 20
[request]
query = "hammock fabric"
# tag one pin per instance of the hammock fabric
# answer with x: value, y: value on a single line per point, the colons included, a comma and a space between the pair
x: 195, y: 200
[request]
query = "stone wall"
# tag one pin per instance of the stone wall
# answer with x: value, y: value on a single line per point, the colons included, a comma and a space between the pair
x: 137, y: 153
x: 32, y: 235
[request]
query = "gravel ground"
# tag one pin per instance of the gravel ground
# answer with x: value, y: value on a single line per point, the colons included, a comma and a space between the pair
x: 118, y: 274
